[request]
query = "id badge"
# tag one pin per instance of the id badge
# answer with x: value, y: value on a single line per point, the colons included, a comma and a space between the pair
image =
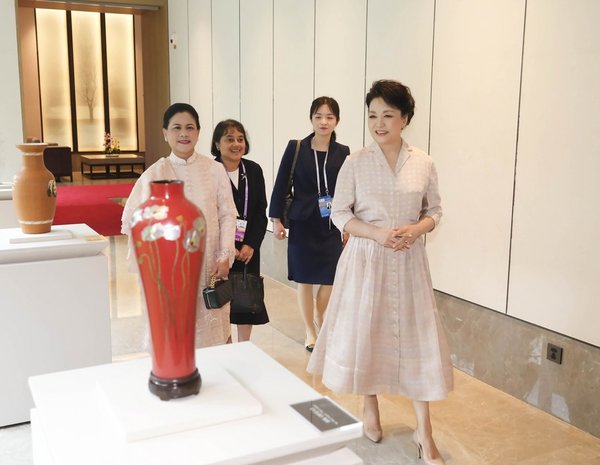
x: 325, y: 205
x: 240, y: 230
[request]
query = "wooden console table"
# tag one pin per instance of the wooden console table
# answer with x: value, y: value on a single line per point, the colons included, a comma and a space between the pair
x: 117, y: 161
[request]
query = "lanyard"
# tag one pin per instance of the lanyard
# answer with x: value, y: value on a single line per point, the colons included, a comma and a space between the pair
x: 245, y: 178
x: 324, y: 173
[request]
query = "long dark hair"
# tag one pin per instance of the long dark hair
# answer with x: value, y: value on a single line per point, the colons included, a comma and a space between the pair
x: 221, y: 129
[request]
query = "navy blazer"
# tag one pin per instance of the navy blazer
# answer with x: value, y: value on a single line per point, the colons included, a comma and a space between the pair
x: 257, y: 203
x: 305, y: 178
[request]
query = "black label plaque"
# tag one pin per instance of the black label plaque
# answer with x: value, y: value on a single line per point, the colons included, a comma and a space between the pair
x: 324, y: 414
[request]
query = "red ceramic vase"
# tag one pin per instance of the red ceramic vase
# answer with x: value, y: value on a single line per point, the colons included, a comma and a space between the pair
x: 169, y: 237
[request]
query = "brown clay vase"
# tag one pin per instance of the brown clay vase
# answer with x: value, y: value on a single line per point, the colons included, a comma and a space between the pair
x: 34, y: 191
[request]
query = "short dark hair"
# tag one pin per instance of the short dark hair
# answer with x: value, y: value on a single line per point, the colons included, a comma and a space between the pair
x: 395, y: 94
x: 179, y: 108
x: 221, y: 129
x: 331, y: 103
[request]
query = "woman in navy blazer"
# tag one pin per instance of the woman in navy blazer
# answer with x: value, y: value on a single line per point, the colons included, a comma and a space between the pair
x: 315, y: 244
x: 229, y: 145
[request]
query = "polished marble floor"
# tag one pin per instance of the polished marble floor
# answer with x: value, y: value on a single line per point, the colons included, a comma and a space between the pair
x: 476, y: 425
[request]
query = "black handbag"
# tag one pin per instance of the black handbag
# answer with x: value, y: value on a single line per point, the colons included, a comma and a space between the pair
x: 248, y: 292
x: 217, y: 294
x: 289, y: 196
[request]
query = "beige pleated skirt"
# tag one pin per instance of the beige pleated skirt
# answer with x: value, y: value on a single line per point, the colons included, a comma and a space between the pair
x: 382, y: 333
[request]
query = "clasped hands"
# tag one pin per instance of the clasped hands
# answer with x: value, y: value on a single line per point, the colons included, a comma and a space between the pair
x: 244, y: 254
x: 398, y: 239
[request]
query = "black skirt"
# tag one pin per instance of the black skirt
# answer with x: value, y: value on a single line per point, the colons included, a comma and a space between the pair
x: 314, y: 248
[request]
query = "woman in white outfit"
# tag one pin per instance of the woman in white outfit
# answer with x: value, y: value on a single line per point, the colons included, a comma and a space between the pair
x: 207, y: 185
x: 382, y: 333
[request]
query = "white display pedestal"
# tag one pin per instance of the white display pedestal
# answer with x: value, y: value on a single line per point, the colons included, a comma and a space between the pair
x: 54, y: 315
x: 71, y: 423
x: 63, y: 241
x: 8, y: 216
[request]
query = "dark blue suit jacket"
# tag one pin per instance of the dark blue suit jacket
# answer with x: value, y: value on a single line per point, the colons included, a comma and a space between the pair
x: 305, y: 178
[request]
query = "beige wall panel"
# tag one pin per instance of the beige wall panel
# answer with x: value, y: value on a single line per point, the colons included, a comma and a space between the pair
x: 474, y: 83
x: 400, y: 46
x: 475, y: 95
x: 11, y: 129
x: 293, y: 46
x: 179, y: 50
x: 225, y: 60
x: 340, y: 34
x: 256, y: 75
x: 200, y: 68
x: 555, y: 265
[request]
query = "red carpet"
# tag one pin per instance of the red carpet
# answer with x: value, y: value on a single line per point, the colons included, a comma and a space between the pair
x: 92, y: 205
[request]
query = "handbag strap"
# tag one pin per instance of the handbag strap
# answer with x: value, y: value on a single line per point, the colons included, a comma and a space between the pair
x: 291, y: 178
x: 213, y: 281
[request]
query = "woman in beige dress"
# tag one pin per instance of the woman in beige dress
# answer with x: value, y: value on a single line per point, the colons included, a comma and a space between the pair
x: 207, y: 185
x: 382, y: 333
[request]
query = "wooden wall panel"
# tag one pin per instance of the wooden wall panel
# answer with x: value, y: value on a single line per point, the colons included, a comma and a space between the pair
x: 155, y: 51
x: 11, y: 125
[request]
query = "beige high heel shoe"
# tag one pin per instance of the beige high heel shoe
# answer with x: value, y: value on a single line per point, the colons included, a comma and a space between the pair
x: 432, y: 461
x: 373, y: 435
x: 372, y: 432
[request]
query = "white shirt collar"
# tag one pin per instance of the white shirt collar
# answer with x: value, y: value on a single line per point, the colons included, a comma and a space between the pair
x: 180, y: 161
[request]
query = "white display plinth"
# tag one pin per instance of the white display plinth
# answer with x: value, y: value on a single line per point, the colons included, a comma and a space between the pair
x: 139, y: 414
x: 5, y: 190
x: 8, y: 216
x: 71, y: 426
x: 63, y: 241
x: 55, y: 234
x: 54, y: 315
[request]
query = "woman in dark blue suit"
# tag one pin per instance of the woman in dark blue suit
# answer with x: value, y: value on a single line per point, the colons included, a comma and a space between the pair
x: 315, y: 244
x: 229, y: 145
